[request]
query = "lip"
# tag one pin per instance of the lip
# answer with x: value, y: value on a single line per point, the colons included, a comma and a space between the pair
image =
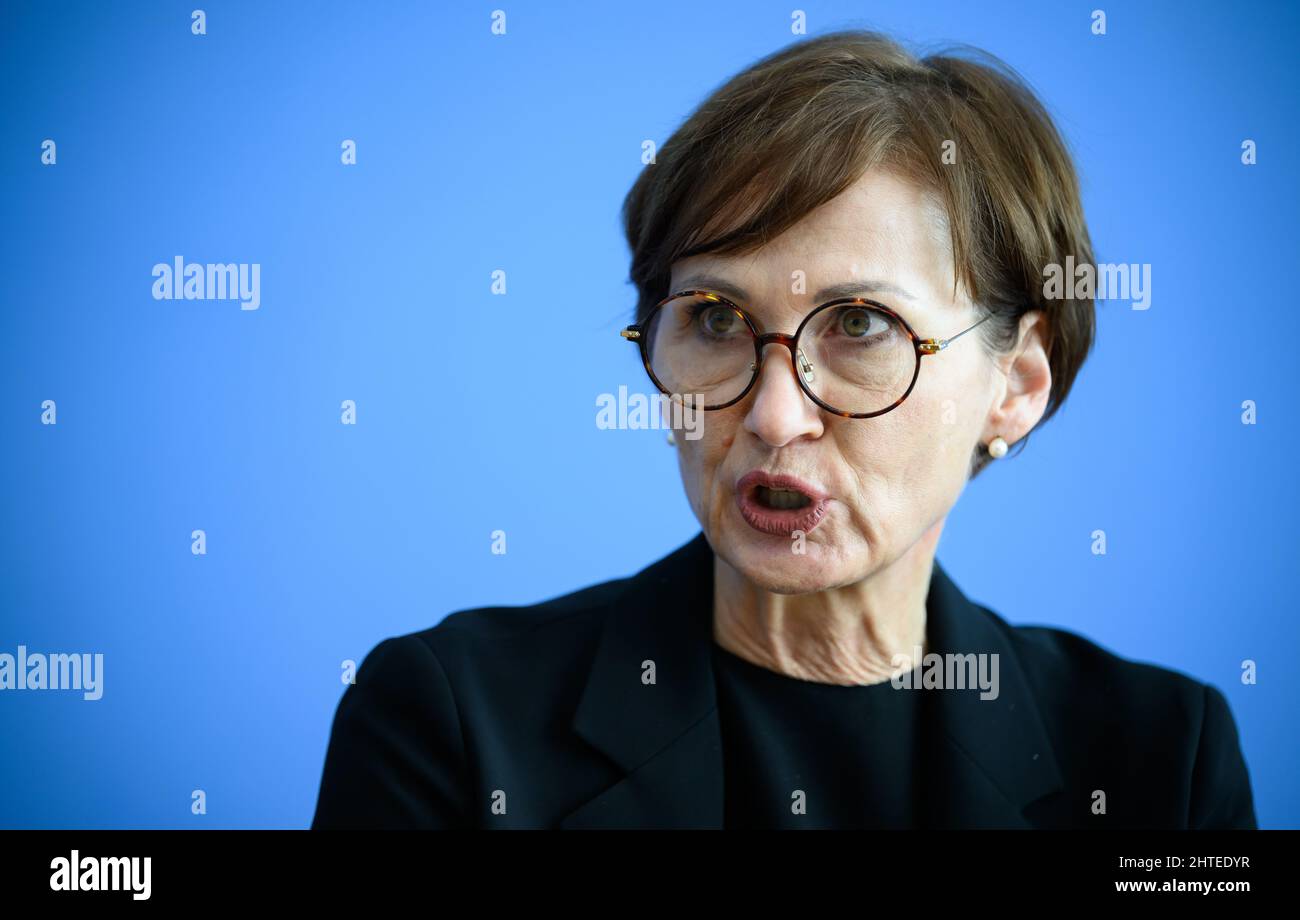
x: 780, y: 522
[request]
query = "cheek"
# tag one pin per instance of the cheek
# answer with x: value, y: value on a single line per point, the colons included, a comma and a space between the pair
x: 945, y: 427
x: 702, y: 461
x: 882, y: 454
x: 909, y: 462
x: 951, y: 405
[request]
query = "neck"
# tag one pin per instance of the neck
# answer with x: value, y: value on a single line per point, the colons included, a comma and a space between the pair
x: 845, y: 635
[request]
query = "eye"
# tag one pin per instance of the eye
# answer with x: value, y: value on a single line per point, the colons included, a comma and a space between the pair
x: 862, y: 323
x: 716, y: 320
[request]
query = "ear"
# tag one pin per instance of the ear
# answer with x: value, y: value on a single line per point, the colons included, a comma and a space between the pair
x: 1026, y: 385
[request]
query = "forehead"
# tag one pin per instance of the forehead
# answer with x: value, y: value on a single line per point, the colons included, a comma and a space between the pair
x: 881, y: 228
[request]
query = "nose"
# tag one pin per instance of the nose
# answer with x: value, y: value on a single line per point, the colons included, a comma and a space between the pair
x: 779, y: 411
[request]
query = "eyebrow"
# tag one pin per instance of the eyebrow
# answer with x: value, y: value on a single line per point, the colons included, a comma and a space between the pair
x: 833, y: 292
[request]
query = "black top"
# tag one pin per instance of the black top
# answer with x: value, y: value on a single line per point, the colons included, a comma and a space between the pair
x: 803, y: 754
x: 600, y: 709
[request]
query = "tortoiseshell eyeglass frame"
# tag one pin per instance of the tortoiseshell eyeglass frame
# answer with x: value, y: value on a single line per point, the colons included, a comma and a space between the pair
x: 922, y: 347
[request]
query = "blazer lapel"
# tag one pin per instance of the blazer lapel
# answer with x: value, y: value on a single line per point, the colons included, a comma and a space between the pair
x: 665, y: 734
x: 980, y: 762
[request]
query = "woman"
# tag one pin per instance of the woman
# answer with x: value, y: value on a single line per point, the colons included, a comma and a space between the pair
x: 840, y: 261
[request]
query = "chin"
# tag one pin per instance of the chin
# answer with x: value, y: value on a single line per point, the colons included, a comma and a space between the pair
x: 770, y: 563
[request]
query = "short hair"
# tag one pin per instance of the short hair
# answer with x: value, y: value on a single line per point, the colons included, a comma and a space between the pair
x: 798, y: 127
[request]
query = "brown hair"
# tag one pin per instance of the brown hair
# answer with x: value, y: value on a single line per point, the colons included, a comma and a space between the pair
x: 798, y: 127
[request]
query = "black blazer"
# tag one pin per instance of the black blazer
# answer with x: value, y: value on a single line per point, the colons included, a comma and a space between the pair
x: 543, y: 709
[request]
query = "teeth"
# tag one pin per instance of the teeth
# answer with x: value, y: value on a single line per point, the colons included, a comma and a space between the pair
x: 782, y: 499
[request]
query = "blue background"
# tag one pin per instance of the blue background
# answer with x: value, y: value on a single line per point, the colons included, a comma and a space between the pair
x: 479, y: 152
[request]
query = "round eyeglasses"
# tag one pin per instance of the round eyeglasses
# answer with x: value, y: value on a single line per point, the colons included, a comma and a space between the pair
x: 853, y: 357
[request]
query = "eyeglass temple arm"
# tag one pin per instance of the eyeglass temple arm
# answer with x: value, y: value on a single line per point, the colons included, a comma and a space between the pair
x: 631, y: 333
x: 934, y: 346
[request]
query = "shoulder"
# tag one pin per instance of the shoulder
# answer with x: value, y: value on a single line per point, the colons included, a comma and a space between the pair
x: 1137, y: 718
x: 554, y: 640
x: 565, y: 611
x: 497, y: 656
x: 499, y: 640
x: 408, y: 728
x: 1055, y: 658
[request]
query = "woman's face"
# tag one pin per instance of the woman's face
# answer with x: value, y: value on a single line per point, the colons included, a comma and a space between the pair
x: 888, y: 481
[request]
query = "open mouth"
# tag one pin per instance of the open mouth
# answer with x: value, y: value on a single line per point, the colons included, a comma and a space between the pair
x: 781, y: 499
x: 779, y: 504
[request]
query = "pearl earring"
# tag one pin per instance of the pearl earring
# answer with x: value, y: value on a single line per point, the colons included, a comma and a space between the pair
x: 671, y: 440
x: 997, y: 448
